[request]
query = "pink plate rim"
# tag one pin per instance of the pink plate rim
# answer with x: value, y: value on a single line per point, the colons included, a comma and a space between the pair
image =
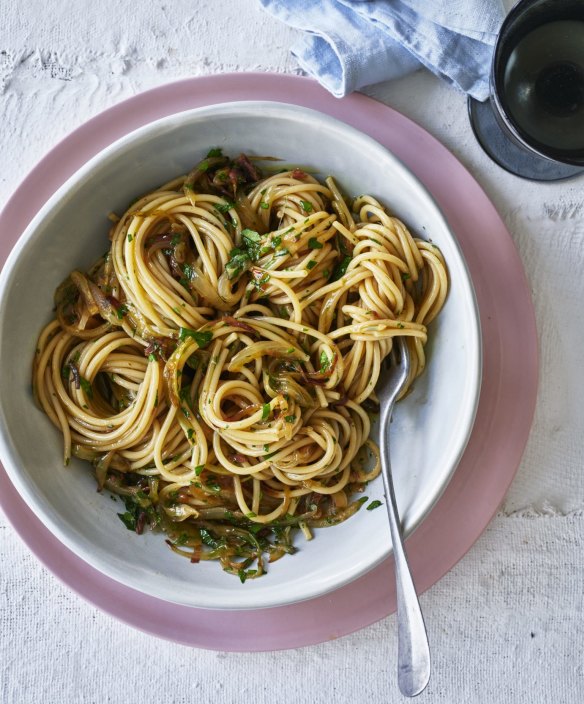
x: 506, y: 405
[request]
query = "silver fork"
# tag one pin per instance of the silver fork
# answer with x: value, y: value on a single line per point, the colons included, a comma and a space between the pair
x: 413, y: 651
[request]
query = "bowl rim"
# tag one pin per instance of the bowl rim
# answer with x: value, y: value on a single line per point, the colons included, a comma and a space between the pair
x: 68, y: 190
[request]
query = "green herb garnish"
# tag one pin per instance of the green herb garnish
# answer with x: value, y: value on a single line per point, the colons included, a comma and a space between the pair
x: 239, y: 262
x: 325, y: 362
x: 341, y: 268
x: 86, y: 386
x: 252, y: 243
x: 224, y: 207
x: 373, y: 505
x: 258, y: 283
x: 135, y: 506
x: 182, y: 539
x: 201, y: 337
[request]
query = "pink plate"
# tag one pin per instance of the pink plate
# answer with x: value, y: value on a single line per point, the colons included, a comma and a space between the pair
x: 506, y: 404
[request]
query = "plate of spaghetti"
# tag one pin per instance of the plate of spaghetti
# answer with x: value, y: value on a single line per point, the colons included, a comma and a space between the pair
x: 206, y: 306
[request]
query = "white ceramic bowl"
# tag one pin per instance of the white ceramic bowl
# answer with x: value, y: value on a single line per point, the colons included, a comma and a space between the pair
x: 430, y: 429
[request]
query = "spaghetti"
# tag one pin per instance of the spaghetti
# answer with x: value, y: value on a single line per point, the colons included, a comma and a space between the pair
x: 217, y: 365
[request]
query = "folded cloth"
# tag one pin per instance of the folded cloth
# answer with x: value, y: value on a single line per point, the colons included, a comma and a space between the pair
x: 348, y: 44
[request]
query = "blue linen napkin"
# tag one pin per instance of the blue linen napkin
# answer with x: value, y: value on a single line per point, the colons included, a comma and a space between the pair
x: 348, y: 44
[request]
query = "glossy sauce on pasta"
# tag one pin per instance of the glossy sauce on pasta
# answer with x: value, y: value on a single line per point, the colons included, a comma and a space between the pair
x: 218, y: 364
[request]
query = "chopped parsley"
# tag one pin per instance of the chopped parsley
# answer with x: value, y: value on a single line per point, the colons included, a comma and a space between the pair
x: 185, y: 395
x: 135, y: 506
x: 341, y: 268
x: 189, y: 275
x: 201, y: 337
x: 252, y: 243
x: 373, y: 505
x: 86, y: 386
x: 311, y: 264
x: 128, y: 519
x: 121, y: 311
x: 208, y: 539
x: 290, y: 419
x: 244, y: 574
x: 259, y: 283
x: 239, y: 262
x: 325, y: 362
x: 215, y: 151
x: 212, y: 484
x: 224, y: 207
x: 264, y: 205
x: 313, y: 243
x: 198, y: 469
x: 306, y: 206
x: 266, y: 408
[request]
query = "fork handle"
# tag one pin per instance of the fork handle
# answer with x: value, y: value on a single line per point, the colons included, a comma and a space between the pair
x: 413, y: 651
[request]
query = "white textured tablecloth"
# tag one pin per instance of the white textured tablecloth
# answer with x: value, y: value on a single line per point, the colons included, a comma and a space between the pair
x: 506, y: 624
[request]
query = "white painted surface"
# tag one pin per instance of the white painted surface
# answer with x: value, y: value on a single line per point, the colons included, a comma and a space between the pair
x: 62, y: 63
